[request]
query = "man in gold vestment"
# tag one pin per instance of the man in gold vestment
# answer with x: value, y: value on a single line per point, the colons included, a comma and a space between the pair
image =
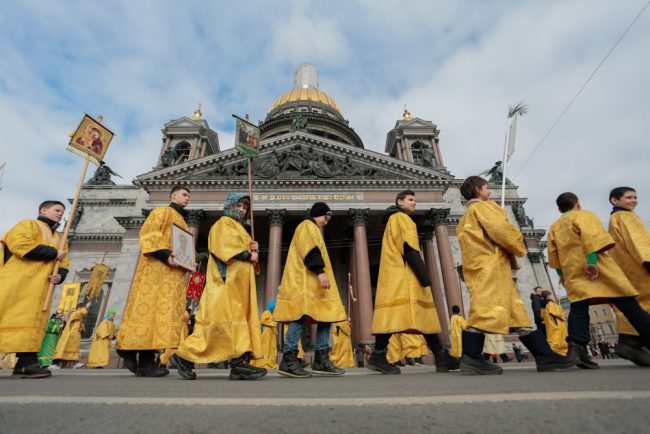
x: 632, y: 254
x: 269, y: 358
x: 308, y: 292
x: 100, y: 350
x: 489, y: 243
x: 554, y: 323
x: 153, y: 316
x: 457, y: 325
x: 404, y: 302
x: 27, y: 257
x: 342, y: 354
x: 578, y: 248
x: 227, y: 324
x: 67, y: 349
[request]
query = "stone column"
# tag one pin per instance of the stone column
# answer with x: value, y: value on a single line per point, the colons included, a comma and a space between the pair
x: 438, y: 218
x: 194, y: 219
x: 276, y: 219
x: 436, y: 284
x: 204, y: 146
x: 162, y: 151
x: 398, y: 145
x: 358, y: 220
x: 407, y: 150
x: 354, y: 310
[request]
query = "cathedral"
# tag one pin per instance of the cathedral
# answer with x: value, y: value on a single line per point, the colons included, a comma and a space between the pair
x: 309, y: 152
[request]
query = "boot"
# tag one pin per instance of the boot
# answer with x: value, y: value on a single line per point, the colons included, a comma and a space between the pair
x: 409, y: 361
x: 471, y: 362
x: 545, y: 358
x: 33, y: 370
x: 291, y: 367
x: 584, y: 359
x: 130, y: 359
x: 445, y: 362
x: 147, y: 366
x: 184, y: 367
x: 323, y: 365
x: 378, y: 362
x: 242, y: 370
x: 631, y: 347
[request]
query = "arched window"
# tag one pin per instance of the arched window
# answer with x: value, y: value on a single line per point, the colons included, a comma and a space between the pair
x: 416, y: 151
x: 181, y: 152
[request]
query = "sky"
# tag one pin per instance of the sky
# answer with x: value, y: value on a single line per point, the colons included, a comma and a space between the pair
x: 459, y: 64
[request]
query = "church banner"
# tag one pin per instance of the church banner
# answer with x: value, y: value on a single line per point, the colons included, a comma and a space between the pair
x: 97, y: 278
x: 69, y: 297
x: 195, y: 286
x: 90, y: 140
x: 247, y: 138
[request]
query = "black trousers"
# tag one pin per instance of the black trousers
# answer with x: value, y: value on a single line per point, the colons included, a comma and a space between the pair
x: 629, y: 306
x: 381, y: 341
x: 26, y: 359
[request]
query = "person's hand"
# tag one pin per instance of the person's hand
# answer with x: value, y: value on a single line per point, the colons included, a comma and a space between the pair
x: 60, y: 255
x: 54, y: 278
x: 591, y: 270
x: 170, y: 261
x: 255, y: 247
x: 324, y: 281
x: 254, y: 257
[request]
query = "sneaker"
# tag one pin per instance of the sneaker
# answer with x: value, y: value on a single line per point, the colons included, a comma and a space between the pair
x: 584, y: 359
x: 291, y: 367
x: 78, y: 365
x: 474, y: 366
x: 639, y: 355
x: 32, y: 371
x: 556, y: 362
x: 242, y: 370
x: 323, y: 365
x: 184, y: 367
x: 379, y: 363
x: 55, y: 367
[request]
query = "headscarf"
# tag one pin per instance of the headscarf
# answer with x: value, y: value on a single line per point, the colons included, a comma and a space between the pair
x: 230, y: 207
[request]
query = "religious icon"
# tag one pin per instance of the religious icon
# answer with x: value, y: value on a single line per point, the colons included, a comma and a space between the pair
x: 91, y: 138
x: 247, y: 138
x: 183, y: 248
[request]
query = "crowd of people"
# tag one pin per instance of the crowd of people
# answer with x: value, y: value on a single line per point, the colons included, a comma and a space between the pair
x: 593, y: 264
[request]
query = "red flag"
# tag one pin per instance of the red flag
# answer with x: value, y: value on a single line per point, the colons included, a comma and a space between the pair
x: 195, y: 285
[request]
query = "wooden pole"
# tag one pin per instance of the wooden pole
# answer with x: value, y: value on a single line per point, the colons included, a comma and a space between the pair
x: 250, y: 197
x: 50, y: 291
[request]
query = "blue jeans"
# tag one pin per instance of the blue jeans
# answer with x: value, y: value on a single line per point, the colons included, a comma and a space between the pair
x: 294, y: 331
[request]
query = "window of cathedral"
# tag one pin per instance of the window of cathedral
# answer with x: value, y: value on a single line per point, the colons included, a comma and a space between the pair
x: 182, y: 152
x: 416, y: 151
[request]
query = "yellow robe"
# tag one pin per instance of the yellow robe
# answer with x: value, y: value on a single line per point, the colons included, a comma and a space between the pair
x: 67, y: 349
x: 100, y: 350
x: 394, y: 353
x: 458, y: 324
x: 153, y: 316
x: 487, y: 239
x: 494, y: 344
x: 300, y: 292
x: 227, y: 323
x: 23, y: 287
x: 632, y: 249
x: 556, y: 328
x: 342, y: 354
x: 401, y: 303
x: 412, y: 345
x: 269, y: 342
x: 571, y: 238
x: 301, y: 354
x: 185, y: 331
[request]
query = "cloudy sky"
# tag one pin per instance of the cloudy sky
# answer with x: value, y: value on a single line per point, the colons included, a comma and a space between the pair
x: 458, y: 64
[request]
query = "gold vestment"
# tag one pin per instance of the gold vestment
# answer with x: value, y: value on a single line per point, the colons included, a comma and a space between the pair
x: 342, y: 354
x: 67, y: 349
x: 100, y: 350
x: 269, y: 358
x: 556, y: 328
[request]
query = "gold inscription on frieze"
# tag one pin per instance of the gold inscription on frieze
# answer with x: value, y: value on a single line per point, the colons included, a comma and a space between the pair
x: 334, y: 197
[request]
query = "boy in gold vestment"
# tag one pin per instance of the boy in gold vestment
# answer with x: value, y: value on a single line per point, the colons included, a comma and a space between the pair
x: 100, y: 350
x: 27, y: 257
x: 456, y: 326
x: 269, y: 358
x: 308, y: 293
x: 153, y: 316
x: 578, y: 248
x: 227, y: 324
x: 404, y: 303
x: 342, y: 354
x: 489, y: 243
x: 554, y: 323
x: 67, y: 349
x: 632, y: 254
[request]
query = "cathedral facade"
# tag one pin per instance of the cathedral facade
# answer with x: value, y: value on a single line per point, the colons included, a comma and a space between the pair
x: 308, y: 153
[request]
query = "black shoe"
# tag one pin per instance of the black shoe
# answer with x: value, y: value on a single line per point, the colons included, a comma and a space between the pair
x: 242, y: 370
x: 184, y: 367
x: 545, y: 358
x: 445, y: 362
x: 556, y: 362
x: 130, y: 360
x: 32, y: 371
x: 474, y: 366
x: 378, y: 362
x: 637, y: 354
x: 153, y: 371
x: 409, y: 361
x: 291, y: 367
x: 420, y: 362
x: 323, y: 365
x: 580, y: 352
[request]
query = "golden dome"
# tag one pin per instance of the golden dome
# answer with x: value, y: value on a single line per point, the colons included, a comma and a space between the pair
x: 306, y: 94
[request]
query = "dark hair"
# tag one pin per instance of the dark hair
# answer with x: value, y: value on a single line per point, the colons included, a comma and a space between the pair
x: 618, y: 192
x: 469, y: 186
x: 536, y: 288
x: 546, y: 294
x: 566, y: 201
x: 178, y: 188
x: 49, y: 204
x: 455, y: 309
x: 246, y: 200
x: 402, y: 195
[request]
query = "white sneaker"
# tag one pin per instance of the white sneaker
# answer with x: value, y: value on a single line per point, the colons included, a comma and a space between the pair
x: 54, y: 366
x: 78, y: 365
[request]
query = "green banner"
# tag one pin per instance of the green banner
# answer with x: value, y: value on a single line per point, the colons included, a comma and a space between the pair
x: 247, y: 138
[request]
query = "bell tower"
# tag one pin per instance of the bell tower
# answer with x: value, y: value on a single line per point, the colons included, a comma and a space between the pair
x: 416, y: 141
x: 187, y: 139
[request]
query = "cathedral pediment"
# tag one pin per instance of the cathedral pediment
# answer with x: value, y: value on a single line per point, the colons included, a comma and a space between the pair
x: 299, y: 156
